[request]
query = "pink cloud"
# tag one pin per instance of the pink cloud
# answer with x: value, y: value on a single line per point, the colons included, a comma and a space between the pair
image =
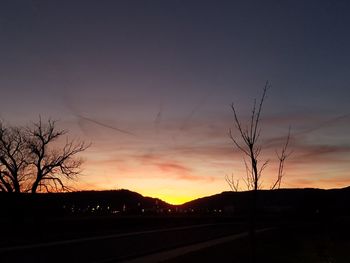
x: 173, y: 167
x: 326, y: 183
x: 181, y: 172
x: 320, y: 153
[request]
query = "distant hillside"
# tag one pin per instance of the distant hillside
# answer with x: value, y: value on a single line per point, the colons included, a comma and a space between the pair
x: 302, y: 200
x: 125, y: 202
x: 84, y: 202
x: 117, y: 200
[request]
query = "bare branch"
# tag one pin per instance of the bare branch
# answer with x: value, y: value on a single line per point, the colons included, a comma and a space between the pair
x: 234, y: 184
x: 257, y: 118
x: 282, y: 158
x: 237, y: 144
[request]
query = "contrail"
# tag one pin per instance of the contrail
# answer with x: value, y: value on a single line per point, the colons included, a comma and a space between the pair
x: 158, y: 117
x: 196, y: 107
x: 324, y: 124
x: 104, y: 125
x: 76, y: 113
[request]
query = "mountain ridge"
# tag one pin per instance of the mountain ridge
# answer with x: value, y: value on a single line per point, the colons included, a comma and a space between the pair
x: 129, y: 202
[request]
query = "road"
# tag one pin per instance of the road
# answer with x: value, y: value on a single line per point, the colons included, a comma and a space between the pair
x: 176, y: 252
x: 120, y: 247
x: 173, y: 254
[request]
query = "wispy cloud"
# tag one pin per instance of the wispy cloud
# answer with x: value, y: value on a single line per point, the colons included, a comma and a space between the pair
x: 173, y: 167
x: 321, y: 153
x: 334, y: 182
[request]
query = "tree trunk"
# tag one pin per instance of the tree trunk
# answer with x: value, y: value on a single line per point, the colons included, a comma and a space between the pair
x: 252, y: 226
x: 253, y: 215
x: 35, y: 186
x: 16, y: 186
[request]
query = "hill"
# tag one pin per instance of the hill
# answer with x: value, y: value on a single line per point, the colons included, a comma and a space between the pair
x: 84, y: 202
x: 125, y: 202
x: 307, y: 200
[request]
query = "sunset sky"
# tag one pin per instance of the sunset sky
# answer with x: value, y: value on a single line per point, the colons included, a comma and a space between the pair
x: 150, y: 83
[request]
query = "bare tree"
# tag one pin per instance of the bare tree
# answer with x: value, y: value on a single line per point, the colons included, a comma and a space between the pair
x: 30, y: 162
x: 250, y: 148
x: 248, y: 144
x: 13, y: 158
x: 52, y: 167
x: 250, y: 135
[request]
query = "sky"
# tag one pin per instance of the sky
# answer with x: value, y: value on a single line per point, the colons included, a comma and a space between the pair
x: 150, y: 84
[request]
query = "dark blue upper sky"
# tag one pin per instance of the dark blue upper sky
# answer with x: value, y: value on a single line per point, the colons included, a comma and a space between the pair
x: 179, y: 46
x: 177, y: 65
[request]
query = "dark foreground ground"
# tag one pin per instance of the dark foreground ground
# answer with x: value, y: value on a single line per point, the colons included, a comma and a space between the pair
x: 108, y: 239
x: 289, y: 243
x: 124, y: 239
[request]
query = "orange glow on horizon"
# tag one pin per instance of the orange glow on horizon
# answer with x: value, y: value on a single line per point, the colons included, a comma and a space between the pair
x: 177, y: 173
x: 178, y: 190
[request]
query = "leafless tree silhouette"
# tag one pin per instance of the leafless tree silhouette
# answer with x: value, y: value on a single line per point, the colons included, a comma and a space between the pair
x: 29, y: 162
x: 250, y: 135
x: 52, y: 167
x: 249, y: 146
